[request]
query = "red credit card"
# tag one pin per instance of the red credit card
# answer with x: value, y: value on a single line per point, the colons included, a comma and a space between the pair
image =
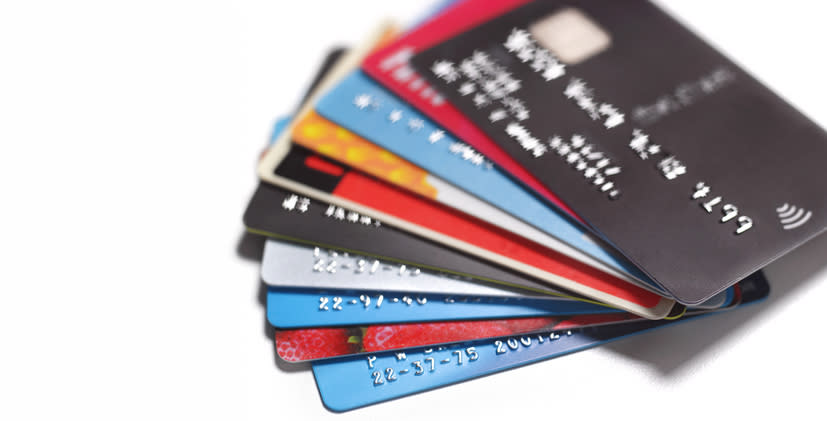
x: 390, y: 67
x: 296, y: 345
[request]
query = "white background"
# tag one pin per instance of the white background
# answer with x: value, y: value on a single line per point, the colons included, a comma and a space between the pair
x: 128, y: 136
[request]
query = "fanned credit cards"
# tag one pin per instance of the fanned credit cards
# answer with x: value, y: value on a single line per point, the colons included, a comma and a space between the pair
x: 491, y: 194
x: 319, y: 178
x: 437, y: 223
x: 515, y: 180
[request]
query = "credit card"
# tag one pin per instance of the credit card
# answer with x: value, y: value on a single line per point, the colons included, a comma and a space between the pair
x: 290, y: 308
x: 317, y: 177
x: 391, y: 67
x: 311, y: 344
x: 292, y: 265
x: 281, y: 214
x: 690, y: 167
x: 386, y: 123
x: 352, y: 382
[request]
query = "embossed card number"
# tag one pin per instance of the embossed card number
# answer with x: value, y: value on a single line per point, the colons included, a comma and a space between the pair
x: 431, y: 359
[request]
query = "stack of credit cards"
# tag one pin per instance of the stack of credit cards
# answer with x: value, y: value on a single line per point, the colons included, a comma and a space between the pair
x: 510, y: 181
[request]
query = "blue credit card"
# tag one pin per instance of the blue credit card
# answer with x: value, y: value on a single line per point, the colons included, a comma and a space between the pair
x: 289, y: 308
x: 353, y: 382
x: 388, y: 123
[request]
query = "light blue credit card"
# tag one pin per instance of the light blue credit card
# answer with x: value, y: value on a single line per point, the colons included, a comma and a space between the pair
x: 289, y: 308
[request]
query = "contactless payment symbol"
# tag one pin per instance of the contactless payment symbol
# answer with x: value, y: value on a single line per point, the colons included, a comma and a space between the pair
x: 792, y: 217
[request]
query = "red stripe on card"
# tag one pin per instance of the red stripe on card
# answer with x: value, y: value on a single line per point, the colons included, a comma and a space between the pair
x: 390, y: 200
x: 319, y: 164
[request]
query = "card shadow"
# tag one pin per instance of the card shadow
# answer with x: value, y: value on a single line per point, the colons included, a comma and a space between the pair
x: 668, y: 350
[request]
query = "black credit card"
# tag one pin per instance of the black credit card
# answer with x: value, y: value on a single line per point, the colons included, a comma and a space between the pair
x: 690, y: 167
x: 282, y: 214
